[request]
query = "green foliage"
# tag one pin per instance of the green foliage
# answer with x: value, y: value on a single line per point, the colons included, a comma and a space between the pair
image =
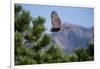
x: 18, y: 39
x: 66, y: 58
x: 85, y: 54
x: 73, y: 58
x: 82, y: 54
x: 91, y: 50
x: 53, y: 55
x: 39, y: 20
x: 24, y: 60
x: 24, y: 56
x: 45, y: 40
x: 18, y: 8
x: 22, y: 19
x: 38, y: 27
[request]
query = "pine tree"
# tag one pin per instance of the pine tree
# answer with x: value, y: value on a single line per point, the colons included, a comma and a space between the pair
x: 22, y: 19
x: 35, y: 34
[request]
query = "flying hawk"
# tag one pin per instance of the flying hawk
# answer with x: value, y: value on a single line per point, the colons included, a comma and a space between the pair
x: 56, y: 22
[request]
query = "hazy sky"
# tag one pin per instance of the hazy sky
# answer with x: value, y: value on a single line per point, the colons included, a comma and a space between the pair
x: 74, y: 15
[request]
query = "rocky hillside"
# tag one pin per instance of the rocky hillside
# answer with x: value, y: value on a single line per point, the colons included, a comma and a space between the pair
x: 72, y: 36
